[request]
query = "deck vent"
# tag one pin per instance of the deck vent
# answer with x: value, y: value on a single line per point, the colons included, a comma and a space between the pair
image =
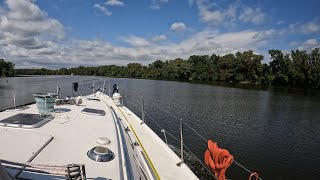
x: 101, y: 154
x: 103, y: 141
x: 96, y: 112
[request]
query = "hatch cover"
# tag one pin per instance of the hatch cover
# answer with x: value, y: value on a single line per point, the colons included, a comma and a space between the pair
x: 23, y: 120
x: 96, y: 112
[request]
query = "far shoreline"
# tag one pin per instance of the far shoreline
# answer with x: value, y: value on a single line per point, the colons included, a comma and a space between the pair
x: 247, y: 86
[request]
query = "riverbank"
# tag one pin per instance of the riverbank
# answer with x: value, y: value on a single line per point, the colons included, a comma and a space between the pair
x: 277, y: 89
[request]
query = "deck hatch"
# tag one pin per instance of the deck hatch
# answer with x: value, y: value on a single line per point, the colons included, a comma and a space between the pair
x: 93, y: 99
x: 23, y: 120
x: 96, y: 112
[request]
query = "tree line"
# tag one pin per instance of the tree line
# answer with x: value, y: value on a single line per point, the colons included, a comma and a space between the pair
x: 297, y: 68
x: 6, y: 68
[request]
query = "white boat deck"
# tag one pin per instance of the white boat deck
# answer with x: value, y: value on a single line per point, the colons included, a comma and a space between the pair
x: 70, y: 135
x: 161, y: 156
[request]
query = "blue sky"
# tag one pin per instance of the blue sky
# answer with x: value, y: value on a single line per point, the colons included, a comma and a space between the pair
x: 69, y: 33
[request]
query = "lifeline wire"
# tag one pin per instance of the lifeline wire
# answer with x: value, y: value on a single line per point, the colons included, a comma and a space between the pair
x: 237, y: 163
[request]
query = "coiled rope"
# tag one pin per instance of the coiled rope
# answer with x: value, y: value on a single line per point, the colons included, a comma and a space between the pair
x: 217, y: 159
x: 70, y: 171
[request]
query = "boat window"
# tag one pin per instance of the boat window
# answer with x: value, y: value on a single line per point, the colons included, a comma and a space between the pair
x: 93, y: 99
x: 96, y: 112
x: 23, y: 120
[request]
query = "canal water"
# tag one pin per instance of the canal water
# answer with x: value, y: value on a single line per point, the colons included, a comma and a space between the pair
x: 274, y: 131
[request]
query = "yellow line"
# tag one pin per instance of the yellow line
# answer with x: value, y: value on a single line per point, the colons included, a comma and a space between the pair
x: 144, y: 151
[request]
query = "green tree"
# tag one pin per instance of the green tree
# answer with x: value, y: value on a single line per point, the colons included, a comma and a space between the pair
x: 303, y: 71
x: 6, y: 68
x: 300, y: 68
x: 282, y: 68
x: 249, y: 68
x: 314, y: 64
x: 134, y: 70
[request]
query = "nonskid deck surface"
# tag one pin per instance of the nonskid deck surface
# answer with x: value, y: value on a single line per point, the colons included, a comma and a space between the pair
x: 71, y: 134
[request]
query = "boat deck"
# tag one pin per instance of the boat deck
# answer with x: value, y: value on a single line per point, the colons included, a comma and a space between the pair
x: 74, y: 134
x: 68, y: 137
x: 162, y: 157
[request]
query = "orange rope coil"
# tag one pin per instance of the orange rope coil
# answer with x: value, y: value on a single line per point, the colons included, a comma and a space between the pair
x: 217, y: 159
x: 254, y: 174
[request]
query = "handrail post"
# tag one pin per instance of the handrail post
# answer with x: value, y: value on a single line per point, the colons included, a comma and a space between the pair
x: 93, y: 86
x: 82, y: 90
x: 104, y: 82
x: 58, y: 91
x: 165, y: 136
x: 14, y: 101
x: 122, y: 99
x: 142, y: 112
x: 181, y: 145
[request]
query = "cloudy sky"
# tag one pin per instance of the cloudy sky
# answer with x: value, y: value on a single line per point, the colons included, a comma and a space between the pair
x: 69, y: 33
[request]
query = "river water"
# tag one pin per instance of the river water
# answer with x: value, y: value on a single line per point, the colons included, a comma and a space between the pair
x: 275, y: 132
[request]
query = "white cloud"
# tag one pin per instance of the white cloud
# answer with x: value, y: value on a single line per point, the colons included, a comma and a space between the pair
x: 253, y: 15
x: 24, y: 10
x: 309, y: 45
x: 159, y: 38
x: 31, y: 50
x: 2, y: 11
x: 24, y: 18
x: 75, y: 52
x: 114, y: 3
x: 23, y: 24
x: 136, y: 41
x: 293, y: 44
x: 280, y: 22
x: 26, y: 41
x: 156, y: 4
x: 208, y: 15
x: 307, y: 28
x: 311, y: 27
x: 213, y: 13
x: 102, y: 9
x: 178, y: 27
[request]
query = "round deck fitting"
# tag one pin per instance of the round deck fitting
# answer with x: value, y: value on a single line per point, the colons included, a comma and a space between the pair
x: 100, y: 154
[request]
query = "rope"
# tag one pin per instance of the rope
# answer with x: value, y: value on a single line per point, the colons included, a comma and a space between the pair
x: 218, y: 159
x: 70, y: 171
x: 254, y: 174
